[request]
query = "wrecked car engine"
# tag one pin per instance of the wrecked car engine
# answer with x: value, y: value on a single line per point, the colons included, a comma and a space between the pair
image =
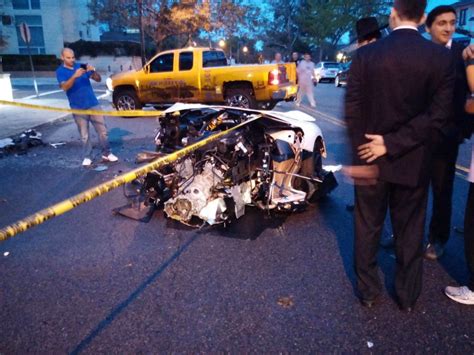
x: 273, y: 163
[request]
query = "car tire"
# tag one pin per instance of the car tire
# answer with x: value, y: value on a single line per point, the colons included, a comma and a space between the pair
x: 240, y: 98
x: 126, y: 99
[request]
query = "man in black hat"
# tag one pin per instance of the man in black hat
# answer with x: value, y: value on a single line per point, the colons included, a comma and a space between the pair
x: 367, y: 30
x: 393, y: 103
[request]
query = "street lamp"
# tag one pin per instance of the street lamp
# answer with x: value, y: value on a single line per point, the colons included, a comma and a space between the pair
x: 340, y: 56
x: 245, y: 50
x: 222, y: 43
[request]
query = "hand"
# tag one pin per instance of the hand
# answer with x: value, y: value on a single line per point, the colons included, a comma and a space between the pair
x: 78, y: 73
x: 90, y: 68
x: 374, y: 149
x: 468, y: 52
x: 362, y: 174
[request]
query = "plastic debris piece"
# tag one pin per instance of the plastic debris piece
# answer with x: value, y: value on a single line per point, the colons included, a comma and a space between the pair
x: 370, y: 344
x: 6, y: 142
x: 100, y: 168
x: 332, y: 168
x: 286, y: 302
x: 6, y: 253
x: 56, y: 145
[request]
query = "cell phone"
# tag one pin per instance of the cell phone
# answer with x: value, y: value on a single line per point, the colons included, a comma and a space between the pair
x: 84, y: 66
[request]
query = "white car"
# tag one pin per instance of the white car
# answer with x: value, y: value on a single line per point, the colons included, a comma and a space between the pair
x: 272, y: 162
x: 326, y: 71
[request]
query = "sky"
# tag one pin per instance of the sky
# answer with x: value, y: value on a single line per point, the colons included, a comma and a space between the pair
x: 434, y: 3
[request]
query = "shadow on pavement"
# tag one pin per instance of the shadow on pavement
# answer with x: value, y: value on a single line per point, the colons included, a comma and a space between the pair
x: 132, y: 297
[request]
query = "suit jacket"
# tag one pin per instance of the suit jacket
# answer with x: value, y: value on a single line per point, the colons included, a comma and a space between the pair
x: 457, y: 128
x: 400, y: 87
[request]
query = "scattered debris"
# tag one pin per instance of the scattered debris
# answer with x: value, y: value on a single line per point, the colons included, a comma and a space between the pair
x: 6, y: 142
x: 100, y: 168
x: 56, y: 145
x: 370, y: 344
x: 20, y: 143
x: 6, y: 253
x: 286, y: 302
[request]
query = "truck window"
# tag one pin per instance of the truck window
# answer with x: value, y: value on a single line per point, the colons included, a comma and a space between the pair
x: 213, y: 59
x: 185, y: 61
x: 163, y: 63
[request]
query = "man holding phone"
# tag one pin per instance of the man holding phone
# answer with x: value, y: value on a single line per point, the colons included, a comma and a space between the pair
x: 74, y: 79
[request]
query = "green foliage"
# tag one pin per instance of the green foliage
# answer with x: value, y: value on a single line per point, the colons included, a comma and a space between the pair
x: 114, y: 48
x: 21, y: 62
x: 180, y: 20
x: 319, y: 24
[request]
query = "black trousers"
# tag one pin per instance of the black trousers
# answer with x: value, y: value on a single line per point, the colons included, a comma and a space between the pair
x: 407, y: 212
x: 469, y: 234
x: 443, y: 170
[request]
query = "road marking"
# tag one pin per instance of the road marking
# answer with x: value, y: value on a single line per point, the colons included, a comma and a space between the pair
x: 54, y: 92
x: 43, y: 94
x: 341, y: 123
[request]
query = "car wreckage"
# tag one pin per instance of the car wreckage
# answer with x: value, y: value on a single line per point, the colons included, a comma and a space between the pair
x: 273, y: 162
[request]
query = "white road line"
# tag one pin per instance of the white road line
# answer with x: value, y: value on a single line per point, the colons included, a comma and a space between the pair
x: 42, y: 94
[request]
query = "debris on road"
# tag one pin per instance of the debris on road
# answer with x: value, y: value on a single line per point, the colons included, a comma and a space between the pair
x: 6, y: 253
x: 100, y: 168
x: 20, y: 143
x: 370, y: 344
x: 6, y: 142
x: 286, y: 302
x: 56, y: 145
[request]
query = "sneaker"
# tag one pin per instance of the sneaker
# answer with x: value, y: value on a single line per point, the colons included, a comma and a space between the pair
x: 86, y: 162
x: 460, y: 294
x: 111, y: 158
x: 434, y: 251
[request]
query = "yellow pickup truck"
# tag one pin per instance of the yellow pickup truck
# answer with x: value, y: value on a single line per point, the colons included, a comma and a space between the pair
x: 201, y: 75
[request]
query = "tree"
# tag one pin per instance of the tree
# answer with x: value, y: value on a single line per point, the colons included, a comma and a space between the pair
x: 182, y: 20
x: 319, y: 24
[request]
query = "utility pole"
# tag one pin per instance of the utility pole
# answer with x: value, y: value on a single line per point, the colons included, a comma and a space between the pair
x: 142, y: 34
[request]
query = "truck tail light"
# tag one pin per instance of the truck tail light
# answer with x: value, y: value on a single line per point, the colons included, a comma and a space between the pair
x: 273, y: 78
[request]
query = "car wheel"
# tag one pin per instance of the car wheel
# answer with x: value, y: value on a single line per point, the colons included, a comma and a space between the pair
x: 126, y: 99
x: 240, y: 98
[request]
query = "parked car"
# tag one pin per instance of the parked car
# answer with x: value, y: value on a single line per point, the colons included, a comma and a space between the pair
x: 201, y: 75
x: 342, y: 75
x: 326, y: 71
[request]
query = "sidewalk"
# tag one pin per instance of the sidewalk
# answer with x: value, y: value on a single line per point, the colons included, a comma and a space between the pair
x: 15, y: 120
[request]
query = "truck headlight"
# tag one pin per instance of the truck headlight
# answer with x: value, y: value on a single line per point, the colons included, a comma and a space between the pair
x: 108, y: 83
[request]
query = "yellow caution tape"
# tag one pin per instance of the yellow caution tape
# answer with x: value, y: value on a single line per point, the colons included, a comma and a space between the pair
x: 130, y: 113
x: 69, y: 204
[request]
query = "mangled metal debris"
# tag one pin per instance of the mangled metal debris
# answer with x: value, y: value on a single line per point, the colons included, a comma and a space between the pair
x: 20, y: 143
x: 273, y: 163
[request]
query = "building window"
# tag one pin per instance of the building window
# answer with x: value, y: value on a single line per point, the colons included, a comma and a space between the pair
x: 462, y: 17
x: 26, y: 4
x: 35, y: 25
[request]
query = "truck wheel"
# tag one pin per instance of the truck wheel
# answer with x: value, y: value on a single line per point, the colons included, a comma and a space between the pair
x: 240, y: 98
x: 126, y: 99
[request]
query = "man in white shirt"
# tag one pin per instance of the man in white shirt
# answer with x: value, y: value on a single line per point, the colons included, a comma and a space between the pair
x: 305, y: 71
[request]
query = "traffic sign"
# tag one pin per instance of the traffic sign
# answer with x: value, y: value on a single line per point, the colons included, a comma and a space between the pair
x: 25, y: 32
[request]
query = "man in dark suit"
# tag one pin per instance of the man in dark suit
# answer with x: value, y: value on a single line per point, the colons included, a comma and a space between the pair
x: 400, y: 89
x: 441, y: 24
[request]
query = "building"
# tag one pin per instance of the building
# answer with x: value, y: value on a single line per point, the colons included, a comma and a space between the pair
x: 465, y: 15
x: 51, y: 23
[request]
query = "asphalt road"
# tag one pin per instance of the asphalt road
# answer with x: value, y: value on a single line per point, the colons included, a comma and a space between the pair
x: 93, y: 282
